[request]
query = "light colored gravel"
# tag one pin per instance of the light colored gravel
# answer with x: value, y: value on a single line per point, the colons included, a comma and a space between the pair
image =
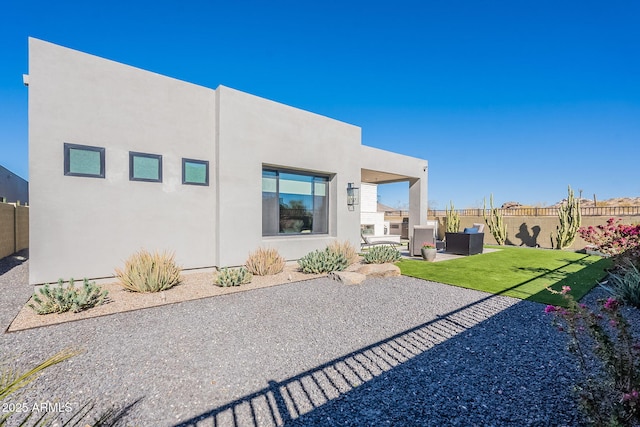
x: 194, y: 285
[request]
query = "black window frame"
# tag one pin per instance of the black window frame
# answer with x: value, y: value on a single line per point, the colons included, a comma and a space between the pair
x: 158, y: 157
x: 184, y: 171
x: 326, y: 179
x: 67, y: 160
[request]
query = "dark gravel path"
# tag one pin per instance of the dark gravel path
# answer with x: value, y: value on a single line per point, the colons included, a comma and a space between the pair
x: 398, y: 352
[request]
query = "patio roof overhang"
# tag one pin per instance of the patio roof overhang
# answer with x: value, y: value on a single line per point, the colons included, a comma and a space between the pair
x: 379, y: 177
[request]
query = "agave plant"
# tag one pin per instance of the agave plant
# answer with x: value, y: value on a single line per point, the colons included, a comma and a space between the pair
x: 149, y: 272
x: 265, y: 262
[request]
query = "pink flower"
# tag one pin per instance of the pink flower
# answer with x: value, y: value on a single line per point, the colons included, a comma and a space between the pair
x: 565, y: 290
x: 611, y: 304
x: 550, y: 309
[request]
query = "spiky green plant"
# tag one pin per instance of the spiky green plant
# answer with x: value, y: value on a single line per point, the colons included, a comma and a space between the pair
x: 453, y: 218
x: 13, y: 381
x: 61, y: 298
x: 322, y: 261
x: 381, y: 254
x: 625, y: 283
x: 232, y: 277
x: 570, y: 220
x: 346, y: 249
x: 495, y: 222
x: 265, y: 262
x: 149, y: 272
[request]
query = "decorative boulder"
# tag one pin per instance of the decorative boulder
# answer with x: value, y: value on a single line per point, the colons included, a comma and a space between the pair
x: 380, y: 270
x: 347, y: 277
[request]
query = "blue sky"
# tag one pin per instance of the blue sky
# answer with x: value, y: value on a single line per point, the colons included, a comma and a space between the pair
x: 514, y: 98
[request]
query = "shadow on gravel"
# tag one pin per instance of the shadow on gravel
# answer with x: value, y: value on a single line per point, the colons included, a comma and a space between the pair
x: 12, y: 261
x: 477, y: 365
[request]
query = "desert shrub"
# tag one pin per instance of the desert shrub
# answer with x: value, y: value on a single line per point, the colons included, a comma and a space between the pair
x: 624, y: 282
x: 61, y: 298
x: 613, y: 238
x: 265, y: 262
x: 149, y: 272
x: 346, y: 249
x: 233, y: 277
x: 322, y: 261
x: 381, y: 254
x: 608, y: 358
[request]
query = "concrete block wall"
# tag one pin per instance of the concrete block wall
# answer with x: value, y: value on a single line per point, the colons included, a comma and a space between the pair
x: 14, y: 228
x: 532, y: 230
x: 22, y: 227
x: 7, y: 229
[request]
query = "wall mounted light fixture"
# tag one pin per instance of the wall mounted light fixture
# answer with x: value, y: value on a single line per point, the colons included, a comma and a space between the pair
x: 353, y: 196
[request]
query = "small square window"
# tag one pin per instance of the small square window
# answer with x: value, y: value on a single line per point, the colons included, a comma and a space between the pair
x: 195, y: 172
x: 83, y: 160
x: 145, y: 167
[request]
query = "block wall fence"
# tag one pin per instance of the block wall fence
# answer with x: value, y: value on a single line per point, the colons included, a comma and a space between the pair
x: 532, y: 230
x: 14, y: 228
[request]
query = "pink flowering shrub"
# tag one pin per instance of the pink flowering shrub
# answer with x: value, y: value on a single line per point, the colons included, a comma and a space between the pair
x: 608, y: 359
x: 613, y: 238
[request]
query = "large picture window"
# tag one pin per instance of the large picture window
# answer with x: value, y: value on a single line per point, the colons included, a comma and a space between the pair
x: 83, y: 160
x: 294, y: 203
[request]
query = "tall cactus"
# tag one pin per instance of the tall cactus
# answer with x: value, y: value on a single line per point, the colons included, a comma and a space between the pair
x: 495, y: 222
x: 453, y: 219
x: 570, y: 219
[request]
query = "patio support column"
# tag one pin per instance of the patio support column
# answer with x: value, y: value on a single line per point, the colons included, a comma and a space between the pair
x: 418, y: 201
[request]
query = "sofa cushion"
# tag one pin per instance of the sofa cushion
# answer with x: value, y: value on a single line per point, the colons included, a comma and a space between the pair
x: 470, y: 230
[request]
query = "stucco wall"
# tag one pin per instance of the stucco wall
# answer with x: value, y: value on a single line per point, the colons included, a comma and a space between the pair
x: 85, y: 227
x: 254, y: 132
x: 368, y: 197
x: 532, y: 230
x: 88, y: 226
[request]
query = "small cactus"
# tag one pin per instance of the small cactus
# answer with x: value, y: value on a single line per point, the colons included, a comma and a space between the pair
x: 453, y: 219
x: 495, y: 222
x: 61, y: 298
x: 322, y: 261
x: 233, y: 277
x: 381, y: 254
x: 570, y: 219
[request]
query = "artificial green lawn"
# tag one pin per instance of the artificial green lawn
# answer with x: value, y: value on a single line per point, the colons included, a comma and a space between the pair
x: 523, y: 273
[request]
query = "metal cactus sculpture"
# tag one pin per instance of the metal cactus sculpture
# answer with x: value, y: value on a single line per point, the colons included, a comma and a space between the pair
x: 495, y: 222
x: 453, y: 219
x: 570, y: 220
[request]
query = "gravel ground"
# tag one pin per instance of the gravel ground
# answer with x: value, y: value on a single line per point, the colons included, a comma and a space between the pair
x: 397, y: 351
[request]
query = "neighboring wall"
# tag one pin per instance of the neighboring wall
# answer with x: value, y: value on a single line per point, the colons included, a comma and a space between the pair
x: 85, y: 227
x: 14, y: 228
x: 12, y: 187
x: 532, y: 230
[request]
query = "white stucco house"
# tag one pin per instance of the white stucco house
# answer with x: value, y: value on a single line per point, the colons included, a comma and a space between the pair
x: 122, y: 159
